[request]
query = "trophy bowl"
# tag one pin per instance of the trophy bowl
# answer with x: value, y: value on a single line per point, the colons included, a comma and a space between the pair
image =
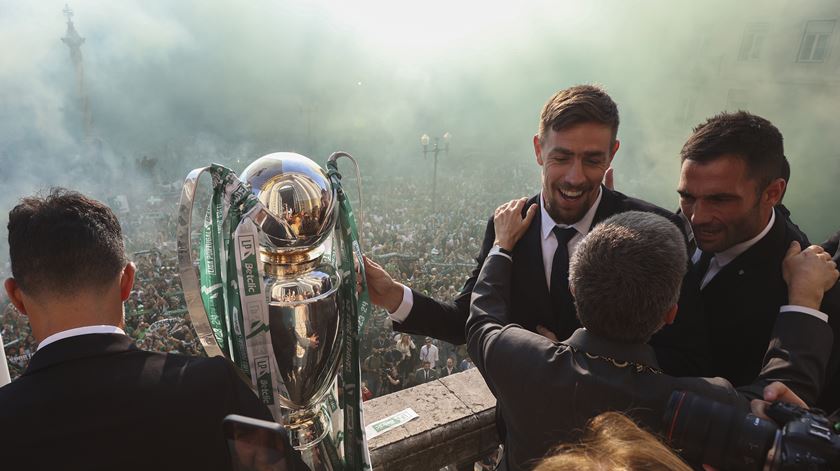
x: 299, y: 200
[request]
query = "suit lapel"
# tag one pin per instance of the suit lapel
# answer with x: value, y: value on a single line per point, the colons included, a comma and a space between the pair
x: 529, y: 287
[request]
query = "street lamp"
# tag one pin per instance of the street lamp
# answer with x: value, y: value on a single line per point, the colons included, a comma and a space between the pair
x: 435, y: 150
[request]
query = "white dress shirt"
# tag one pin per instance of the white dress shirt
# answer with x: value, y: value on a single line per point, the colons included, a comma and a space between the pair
x: 547, y: 240
x: 722, y: 259
x: 89, y: 329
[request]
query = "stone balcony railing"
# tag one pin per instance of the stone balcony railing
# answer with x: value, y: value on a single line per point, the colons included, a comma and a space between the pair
x: 456, y: 425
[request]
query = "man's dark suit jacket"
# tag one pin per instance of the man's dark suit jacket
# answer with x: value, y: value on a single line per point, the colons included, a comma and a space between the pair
x: 740, y: 303
x: 830, y: 399
x: 555, y: 388
x: 423, y: 375
x: 680, y: 347
x: 444, y: 372
x: 98, y: 402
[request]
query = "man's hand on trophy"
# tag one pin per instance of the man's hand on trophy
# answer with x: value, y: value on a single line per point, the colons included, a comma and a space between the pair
x: 509, y: 223
x: 384, y: 291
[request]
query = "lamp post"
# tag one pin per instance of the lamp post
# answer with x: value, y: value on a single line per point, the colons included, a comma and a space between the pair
x: 435, y: 150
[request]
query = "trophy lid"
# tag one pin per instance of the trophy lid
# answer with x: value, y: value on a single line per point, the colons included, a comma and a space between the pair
x: 299, y: 199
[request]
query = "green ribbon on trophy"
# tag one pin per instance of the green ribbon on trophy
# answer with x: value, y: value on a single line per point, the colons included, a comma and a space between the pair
x: 357, y: 303
x: 221, y: 299
x: 235, y: 321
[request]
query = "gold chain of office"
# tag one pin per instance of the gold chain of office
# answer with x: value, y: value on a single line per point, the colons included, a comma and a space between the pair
x: 638, y: 367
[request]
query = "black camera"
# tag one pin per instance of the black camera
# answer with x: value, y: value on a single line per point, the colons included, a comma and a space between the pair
x: 704, y: 431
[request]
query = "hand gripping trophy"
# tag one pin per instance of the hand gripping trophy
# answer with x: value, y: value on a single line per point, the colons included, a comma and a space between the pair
x: 280, y: 291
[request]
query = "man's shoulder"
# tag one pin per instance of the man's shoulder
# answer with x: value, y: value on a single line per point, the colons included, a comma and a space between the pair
x: 183, y: 370
x: 619, y: 203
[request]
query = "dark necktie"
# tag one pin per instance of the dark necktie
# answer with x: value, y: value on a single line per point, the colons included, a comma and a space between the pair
x: 563, y: 320
x: 560, y: 265
x: 702, y: 265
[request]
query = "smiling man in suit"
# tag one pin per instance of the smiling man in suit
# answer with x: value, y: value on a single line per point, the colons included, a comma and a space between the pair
x: 90, y: 399
x: 575, y: 144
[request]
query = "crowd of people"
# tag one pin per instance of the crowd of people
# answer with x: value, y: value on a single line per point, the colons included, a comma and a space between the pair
x: 612, y: 291
x: 434, y: 250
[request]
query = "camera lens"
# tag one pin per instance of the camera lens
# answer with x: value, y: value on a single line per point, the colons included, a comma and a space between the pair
x: 721, y: 435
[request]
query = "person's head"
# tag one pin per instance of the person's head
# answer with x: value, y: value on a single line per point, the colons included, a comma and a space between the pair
x: 428, y: 340
x: 575, y: 145
x: 67, y: 249
x: 450, y: 362
x: 625, y: 276
x: 426, y: 365
x: 733, y: 172
x: 613, y: 441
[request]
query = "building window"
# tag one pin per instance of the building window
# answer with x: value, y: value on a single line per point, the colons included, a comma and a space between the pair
x: 752, y: 42
x: 815, y: 41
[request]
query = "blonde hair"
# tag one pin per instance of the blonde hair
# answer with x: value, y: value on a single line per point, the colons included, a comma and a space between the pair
x: 613, y: 442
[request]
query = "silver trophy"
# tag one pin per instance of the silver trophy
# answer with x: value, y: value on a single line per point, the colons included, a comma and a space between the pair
x: 271, y: 296
x: 304, y: 319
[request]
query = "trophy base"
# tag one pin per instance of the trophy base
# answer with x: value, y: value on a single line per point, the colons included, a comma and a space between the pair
x: 307, y: 428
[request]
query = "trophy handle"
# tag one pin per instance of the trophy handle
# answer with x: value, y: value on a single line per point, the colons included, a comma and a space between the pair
x: 332, y: 161
x: 186, y: 266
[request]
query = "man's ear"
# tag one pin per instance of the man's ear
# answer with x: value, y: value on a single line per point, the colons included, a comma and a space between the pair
x: 127, y: 280
x: 671, y: 315
x: 614, y: 149
x: 15, y: 294
x: 538, y: 149
x: 772, y: 195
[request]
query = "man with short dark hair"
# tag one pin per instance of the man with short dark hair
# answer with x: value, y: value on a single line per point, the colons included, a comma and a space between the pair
x: 625, y: 276
x: 734, y: 173
x: 90, y: 399
x: 574, y: 146
x: 429, y: 353
x: 424, y: 374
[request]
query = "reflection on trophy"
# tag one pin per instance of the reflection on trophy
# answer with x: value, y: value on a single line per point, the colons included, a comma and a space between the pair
x: 304, y: 319
x: 277, y: 295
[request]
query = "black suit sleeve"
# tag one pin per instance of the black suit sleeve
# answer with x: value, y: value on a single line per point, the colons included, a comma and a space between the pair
x: 797, y: 356
x: 442, y: 320
x: 488, y: 314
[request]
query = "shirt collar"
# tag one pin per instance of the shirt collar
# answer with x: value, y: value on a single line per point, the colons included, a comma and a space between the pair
x: 582, y: 226
x: 723, y: 258
x: 89, y: 329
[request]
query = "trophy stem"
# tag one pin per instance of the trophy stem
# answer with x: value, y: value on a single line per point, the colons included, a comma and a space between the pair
x: 308, y: 428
